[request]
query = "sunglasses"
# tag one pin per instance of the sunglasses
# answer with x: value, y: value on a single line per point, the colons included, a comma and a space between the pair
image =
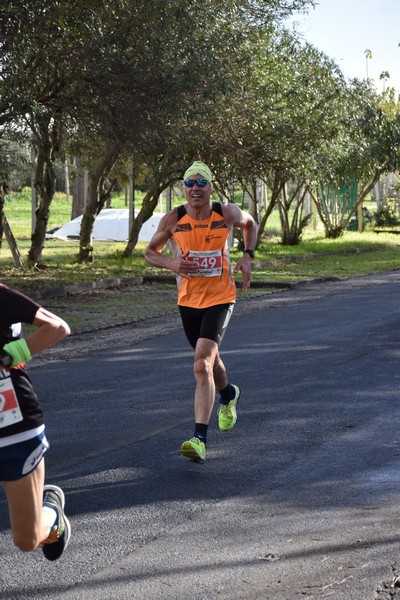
x: 191, y: 182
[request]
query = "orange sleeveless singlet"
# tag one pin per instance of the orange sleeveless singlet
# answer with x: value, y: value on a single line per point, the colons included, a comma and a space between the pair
x: 207, y: 242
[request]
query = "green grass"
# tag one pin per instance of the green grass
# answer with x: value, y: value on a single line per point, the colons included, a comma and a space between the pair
x: 316, y: 256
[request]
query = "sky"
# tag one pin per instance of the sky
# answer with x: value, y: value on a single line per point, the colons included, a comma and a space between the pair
x: 345, y: 29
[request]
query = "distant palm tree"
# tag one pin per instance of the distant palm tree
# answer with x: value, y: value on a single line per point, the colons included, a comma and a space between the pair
x: 385, y: 75
x: 368, y: 56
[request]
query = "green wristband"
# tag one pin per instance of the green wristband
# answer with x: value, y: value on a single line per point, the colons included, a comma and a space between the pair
x: 19, y: 351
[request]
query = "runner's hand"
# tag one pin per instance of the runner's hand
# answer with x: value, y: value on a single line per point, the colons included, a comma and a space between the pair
x: 184, y: 267
x: 244, y: 265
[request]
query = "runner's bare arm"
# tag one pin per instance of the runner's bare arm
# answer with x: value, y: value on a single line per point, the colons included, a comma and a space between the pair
x: 235, y: 217
x: 154, y: 256
x: 50, y: 329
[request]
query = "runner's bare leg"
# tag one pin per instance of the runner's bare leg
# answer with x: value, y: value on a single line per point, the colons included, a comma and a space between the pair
x: 204, y: 359
x: 29, y: 523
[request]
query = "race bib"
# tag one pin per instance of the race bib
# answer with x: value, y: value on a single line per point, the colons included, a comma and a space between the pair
x: 209, y: 263
x: 10, y: 411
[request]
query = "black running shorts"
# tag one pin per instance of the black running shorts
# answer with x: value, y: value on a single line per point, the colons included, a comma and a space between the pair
x: 209, y: 323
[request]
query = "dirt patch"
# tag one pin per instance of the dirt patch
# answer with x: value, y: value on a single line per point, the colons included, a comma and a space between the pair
x: 105, y: 308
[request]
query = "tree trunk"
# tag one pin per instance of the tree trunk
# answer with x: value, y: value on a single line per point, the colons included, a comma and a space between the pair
x: 66, y: 179
x: 335, y: 222
x: 3, y: 188
x: 78, y: 196
x: 276, y: 189
x: 362, y: 195
x: 148, y: 206
x: 5, y: 229
x: 168, y: 199
x: 95, y: 202
x: 249, y: 188
x: 45, y: 183
x: 12, y: 244
x: 293, y: 223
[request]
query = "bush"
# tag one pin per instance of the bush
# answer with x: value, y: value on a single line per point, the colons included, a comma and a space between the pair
x: 387, y: 215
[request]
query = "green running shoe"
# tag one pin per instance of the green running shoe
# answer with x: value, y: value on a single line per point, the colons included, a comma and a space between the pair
x: 194, y: 450
x: 227, y: 415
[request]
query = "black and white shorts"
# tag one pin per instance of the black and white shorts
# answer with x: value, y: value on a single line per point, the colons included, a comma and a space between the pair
x: 17, y: 460
x: 209, y: 323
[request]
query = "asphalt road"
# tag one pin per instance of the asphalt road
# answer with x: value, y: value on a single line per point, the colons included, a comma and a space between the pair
x: 300, y: 500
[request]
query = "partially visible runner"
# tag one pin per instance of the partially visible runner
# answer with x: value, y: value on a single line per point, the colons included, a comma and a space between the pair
x: 199, y: 232
x: 36, y: 510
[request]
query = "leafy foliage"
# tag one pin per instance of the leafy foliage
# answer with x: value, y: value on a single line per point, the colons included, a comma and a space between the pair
x: 160, y: 83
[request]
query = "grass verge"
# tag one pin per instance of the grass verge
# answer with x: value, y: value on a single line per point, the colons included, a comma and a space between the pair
x: 353, y: 254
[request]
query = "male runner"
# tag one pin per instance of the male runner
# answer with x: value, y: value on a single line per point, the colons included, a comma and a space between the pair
x: 199, y: 232
x: 36, y: 510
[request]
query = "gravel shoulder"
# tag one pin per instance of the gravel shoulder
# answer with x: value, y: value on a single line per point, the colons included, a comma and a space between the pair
x: 123, y: 315
x: 131, y: 314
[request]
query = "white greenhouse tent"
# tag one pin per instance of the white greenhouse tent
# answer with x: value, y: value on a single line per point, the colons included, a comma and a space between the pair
x: 112, y: 224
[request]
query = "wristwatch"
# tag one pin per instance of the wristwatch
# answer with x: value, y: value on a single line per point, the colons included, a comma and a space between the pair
x: 248, y: 251
x: 6, y: 359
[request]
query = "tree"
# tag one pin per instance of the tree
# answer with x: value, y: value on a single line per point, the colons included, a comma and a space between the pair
x: 307, y: 122
x: 75, y: 69
x: 384, y: 76
x: 366, y: 146
x: 172, y: 79
x: 42, y: 67
x: 368, y: 57
x: 12, y: 158
x: 283, y: 106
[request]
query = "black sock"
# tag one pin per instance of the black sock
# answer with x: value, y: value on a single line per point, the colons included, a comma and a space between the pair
x: 227, y: 394
x: 200, y: 431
